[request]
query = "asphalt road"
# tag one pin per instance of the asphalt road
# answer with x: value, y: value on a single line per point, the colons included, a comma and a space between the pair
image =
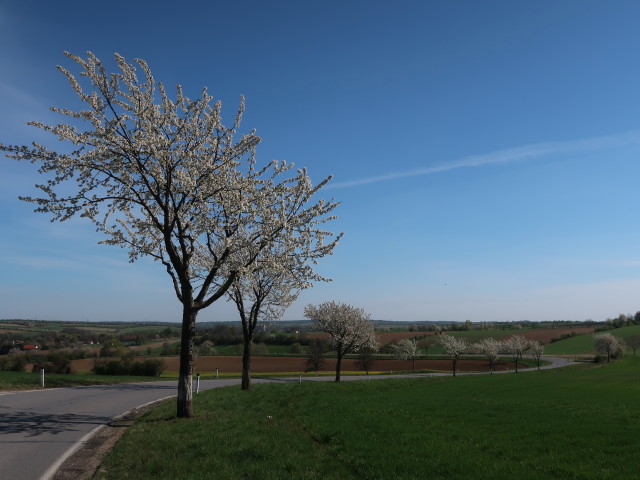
x: 40, y: 428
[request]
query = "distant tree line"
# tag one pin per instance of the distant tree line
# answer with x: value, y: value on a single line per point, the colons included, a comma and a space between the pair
x: 222, y: 335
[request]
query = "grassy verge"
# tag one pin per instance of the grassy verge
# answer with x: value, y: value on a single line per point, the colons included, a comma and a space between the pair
x: 574, y: 423
x: 30, y: 381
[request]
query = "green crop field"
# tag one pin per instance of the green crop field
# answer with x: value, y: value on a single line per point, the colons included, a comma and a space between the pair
x: 580, y: 344
x: 579, y: 422
x: 584, y: 344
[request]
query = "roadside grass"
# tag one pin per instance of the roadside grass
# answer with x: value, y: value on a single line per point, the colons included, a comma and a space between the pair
x: 574, y: 423
x: 10, y: 381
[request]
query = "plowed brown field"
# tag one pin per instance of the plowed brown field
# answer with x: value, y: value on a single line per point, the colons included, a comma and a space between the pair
x: 229, y: 364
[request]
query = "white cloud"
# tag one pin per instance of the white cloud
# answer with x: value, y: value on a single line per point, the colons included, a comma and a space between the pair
x: 527, y: 152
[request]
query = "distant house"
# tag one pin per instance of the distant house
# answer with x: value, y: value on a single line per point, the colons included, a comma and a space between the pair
x: 30, y: 347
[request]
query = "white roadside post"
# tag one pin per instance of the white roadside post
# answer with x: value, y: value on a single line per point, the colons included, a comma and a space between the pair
x: 197, y: 382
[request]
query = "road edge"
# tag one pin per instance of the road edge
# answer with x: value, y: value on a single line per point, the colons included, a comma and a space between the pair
x: 73, y: 464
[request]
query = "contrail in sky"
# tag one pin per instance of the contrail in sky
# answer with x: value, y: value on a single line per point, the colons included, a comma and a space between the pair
x: 526, y: 152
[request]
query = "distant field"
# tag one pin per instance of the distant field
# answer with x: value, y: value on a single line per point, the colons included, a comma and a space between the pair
x: 473, y: 336
x: 574, y: 423
x: 48, y: 326
x: 584, y: 344
x: 268, y: 364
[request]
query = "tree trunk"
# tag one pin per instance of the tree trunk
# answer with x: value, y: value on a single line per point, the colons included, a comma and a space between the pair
x: 246, y: 363
x: 455, y: 361
x: 338, y: 365
x: 185, y: 379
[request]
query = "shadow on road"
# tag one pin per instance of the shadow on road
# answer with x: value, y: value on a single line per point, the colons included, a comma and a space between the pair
x: 131, y: 387
x: 34, y: 424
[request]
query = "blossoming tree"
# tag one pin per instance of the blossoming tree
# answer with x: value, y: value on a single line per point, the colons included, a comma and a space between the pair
x: 536, y: 349
x: 348, y: 327
x: 490, y: 348
x: 454, y: 347
x: 406, y: 349
x: 166, y: 179
x: 608, y: 344
x: 516, y: 346
x: 272, y: 284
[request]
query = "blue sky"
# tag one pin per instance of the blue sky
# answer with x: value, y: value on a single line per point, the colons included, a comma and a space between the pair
x: 485, y: 153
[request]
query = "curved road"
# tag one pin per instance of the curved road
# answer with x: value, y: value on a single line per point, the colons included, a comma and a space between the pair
x: 39, y: 429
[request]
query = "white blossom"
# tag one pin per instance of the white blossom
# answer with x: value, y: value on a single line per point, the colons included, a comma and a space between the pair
x: 608, y: 344
x: 490, y: 348
x: 405, y: 349
x: 536, y: 349
x: 164, y: 178
x: 517, y: 346
x: 454, y: 347
x: 348, y: 327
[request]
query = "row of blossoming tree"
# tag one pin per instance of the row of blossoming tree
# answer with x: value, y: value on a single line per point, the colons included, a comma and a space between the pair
x: 515, y: 346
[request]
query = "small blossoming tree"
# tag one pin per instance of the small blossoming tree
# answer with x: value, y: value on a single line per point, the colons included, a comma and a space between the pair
x: 454, y: 347
x: 406, y: 349
x: 274, y: 282
x: 516, y: 346
x: 490, y: 348
x: 608, y: 344
x: 536, y: 349
x: 348, y: 327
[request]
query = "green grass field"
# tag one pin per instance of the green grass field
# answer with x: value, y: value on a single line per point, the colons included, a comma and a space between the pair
x: 584, y: 344
x: 574, y: 423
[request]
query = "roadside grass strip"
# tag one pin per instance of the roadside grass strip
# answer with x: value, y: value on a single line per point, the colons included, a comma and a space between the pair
x: 13, y: 381
x: 579, y: 422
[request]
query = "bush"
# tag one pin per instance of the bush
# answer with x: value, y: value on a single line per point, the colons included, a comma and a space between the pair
x: 55, y: 362
x: 58, y: 362
x: 169, y: 349
x: 603, y: 328
x: 564, y: 336
x: 296, y: 348
x: 147, y: 368
x: 15, y: 362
